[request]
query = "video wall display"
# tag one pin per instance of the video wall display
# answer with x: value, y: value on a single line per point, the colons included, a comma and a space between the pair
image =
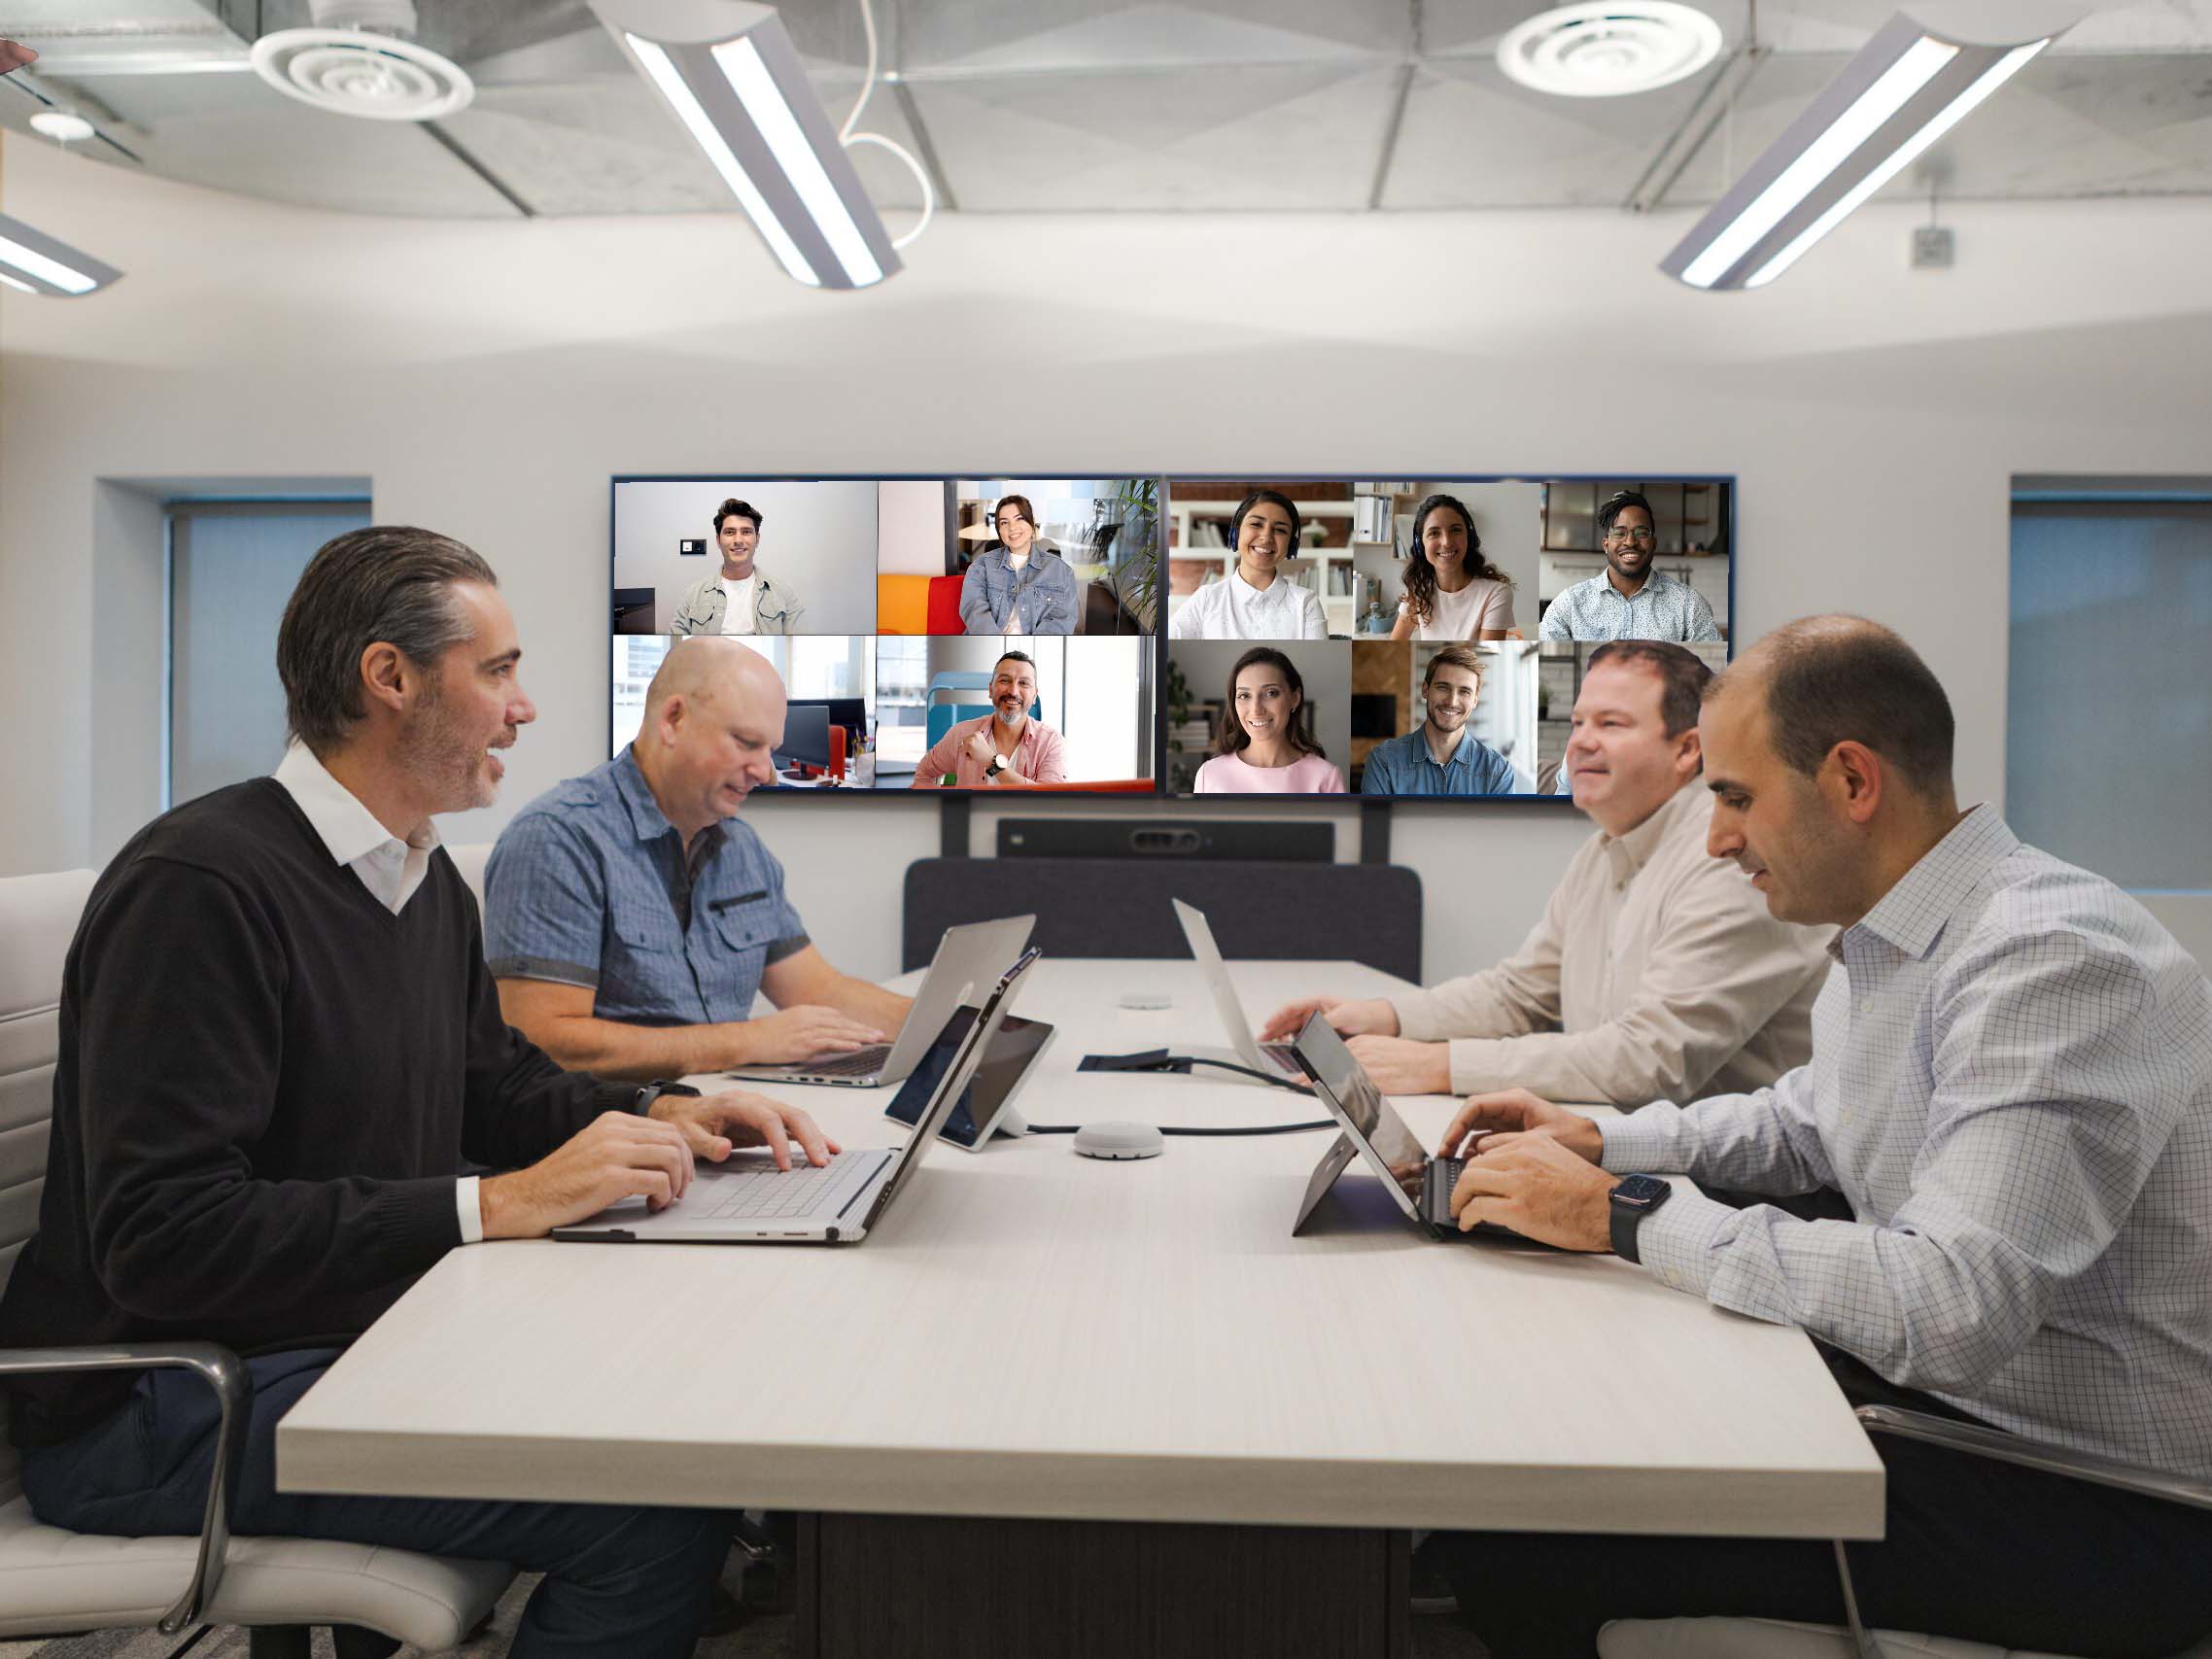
x: 1407, y: 638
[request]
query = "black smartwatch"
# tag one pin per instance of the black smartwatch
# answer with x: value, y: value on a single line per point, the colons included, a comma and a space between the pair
x: 652, y: 1091
x: 1635, y: 1198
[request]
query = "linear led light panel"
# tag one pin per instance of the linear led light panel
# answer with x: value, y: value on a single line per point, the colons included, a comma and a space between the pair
x: 1904, y: 92
x: 36, y: 263
x: 728, y: 70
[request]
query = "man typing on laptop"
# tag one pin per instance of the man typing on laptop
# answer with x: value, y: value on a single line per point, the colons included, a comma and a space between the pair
x: 629, y: 918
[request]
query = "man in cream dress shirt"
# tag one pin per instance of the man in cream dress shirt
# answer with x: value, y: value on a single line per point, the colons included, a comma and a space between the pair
x: 1653, y: 973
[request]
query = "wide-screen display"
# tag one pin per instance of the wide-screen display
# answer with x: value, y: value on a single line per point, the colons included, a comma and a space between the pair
x: 1408, y: 638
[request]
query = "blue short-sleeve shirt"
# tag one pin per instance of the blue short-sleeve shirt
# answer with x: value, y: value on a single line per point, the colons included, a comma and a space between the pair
x: 1404, y: 766
x: 589, y: 885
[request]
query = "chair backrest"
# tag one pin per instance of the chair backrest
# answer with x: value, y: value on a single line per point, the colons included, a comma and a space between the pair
x: 38, y: 918
x: 469, y: 858
x: 943, y: 605
x: 1118, y: 907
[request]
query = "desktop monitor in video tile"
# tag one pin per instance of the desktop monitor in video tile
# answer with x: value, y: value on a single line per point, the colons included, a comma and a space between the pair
x: 1405, y: 639
x: 930, y: 633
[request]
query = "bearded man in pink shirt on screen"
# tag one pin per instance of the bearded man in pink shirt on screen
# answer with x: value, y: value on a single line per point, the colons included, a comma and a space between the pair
x: 1004, y: 746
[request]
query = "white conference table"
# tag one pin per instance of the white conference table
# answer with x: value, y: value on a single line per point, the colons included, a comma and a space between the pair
x: 1030, y: 1333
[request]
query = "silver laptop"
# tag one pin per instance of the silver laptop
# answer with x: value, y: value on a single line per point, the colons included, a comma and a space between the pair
x: 966, y: 960
x: 1274, y: 1059
x: 749, y: 1200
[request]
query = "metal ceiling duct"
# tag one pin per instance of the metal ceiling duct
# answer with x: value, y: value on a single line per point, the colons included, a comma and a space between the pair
x: 360, y: 60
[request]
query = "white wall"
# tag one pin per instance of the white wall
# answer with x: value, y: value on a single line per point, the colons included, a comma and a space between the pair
x: 818, y: 537
x: 910, y: 527
x: 490, y: 379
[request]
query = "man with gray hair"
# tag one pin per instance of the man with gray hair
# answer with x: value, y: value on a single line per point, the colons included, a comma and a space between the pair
x: 279, y: 1042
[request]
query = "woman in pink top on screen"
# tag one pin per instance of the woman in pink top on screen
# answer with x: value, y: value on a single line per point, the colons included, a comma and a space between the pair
x: 1267, y: 745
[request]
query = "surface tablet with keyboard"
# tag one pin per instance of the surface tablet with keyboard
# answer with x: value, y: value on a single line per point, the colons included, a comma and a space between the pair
x: 749, y: 1200
x: 1373, y: 1131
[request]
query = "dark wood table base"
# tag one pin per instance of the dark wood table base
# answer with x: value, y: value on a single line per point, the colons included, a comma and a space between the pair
x: 949, y: 1587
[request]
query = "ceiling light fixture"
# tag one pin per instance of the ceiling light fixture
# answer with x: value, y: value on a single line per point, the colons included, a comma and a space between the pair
x: 35, y: 263
x: 1898, y: 97
x: 728, y: 70
x: 1609, y: 49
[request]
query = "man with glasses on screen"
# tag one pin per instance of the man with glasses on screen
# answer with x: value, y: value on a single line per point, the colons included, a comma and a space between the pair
x: 1653, y: 973
x: 1629, y: 598
x: 629, y: 918
x: 1008, y: 746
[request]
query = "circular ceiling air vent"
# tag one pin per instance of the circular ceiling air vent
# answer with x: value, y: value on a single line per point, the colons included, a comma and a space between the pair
x: 1603, y: 50
x: 350, y: 72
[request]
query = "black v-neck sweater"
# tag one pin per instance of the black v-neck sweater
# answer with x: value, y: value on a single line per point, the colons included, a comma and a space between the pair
x: 266, y: 1084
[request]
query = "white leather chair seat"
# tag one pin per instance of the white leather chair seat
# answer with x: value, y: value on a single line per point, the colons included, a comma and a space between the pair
x: 52, y: 1580
x: 1770, y: 1639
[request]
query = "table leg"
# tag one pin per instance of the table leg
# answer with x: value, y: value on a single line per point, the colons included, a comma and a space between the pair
x: 951, y: 1587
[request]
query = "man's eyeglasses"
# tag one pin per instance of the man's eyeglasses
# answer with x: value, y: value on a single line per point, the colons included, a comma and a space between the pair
x: 1643, y: 535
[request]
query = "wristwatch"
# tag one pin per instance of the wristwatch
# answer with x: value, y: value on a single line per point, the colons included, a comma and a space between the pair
x: 997, y: 765
x: 1635, y: 1198
x: 652, y: 1091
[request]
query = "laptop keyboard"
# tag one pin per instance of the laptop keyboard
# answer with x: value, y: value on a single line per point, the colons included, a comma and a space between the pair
x: 1436, y: 1183
x: 775, y: 1194
x: 861, y: 1062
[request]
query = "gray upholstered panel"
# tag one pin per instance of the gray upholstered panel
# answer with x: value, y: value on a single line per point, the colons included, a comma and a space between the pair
x: 1118, y: 907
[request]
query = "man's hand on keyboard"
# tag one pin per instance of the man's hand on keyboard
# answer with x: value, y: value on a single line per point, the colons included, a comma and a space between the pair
x: 805, y: 1031
x: 1538, y: 1187
x: 714, y: 1124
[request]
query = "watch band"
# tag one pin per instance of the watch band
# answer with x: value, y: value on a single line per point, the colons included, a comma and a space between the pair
x: 1633, y: 1198
x: 643, y: 1103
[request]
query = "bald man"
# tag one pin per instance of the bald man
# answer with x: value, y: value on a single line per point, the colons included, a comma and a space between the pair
x: 631, y: 920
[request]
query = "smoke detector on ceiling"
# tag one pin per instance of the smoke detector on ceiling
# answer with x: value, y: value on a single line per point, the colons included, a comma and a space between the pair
x: 1609, y: 49
x: 360, y: 60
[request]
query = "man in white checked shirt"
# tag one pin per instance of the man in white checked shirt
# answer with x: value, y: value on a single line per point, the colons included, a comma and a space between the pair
x: 2012, y: 1085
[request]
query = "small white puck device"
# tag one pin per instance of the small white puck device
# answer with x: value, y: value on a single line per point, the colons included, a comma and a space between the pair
x: 1120, y: 1141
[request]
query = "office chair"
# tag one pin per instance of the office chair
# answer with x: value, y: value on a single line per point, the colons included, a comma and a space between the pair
x: 1771, y: 1639
x: 1119, y: 906
x: 53, y: 1581
x: 944, y: 716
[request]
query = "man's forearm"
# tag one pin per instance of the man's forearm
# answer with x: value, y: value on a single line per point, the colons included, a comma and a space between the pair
x: 608, y: 1048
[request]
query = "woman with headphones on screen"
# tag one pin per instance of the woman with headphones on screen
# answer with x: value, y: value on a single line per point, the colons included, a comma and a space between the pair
x: 1255, y: 600
x: 1267, y: 745
x: 1452, y: 592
